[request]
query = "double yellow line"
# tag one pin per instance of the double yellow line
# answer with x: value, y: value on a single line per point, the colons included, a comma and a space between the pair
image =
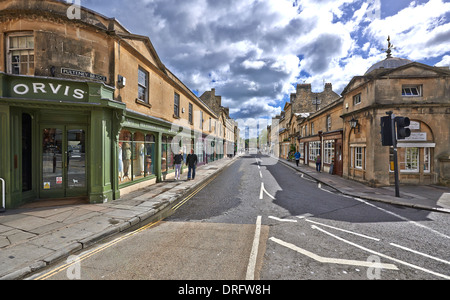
x: 126, y: 236
x: 178, y: 205
x: 95, y: 251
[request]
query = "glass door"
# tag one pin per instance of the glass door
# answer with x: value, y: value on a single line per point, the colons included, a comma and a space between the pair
x: 63, y: 157
x: 76, y: 162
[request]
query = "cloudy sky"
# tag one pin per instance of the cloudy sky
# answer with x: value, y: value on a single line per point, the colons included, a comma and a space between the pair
x: 254, y: 52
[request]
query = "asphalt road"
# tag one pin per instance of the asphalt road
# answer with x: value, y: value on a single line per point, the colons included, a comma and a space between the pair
x: 262, y: 220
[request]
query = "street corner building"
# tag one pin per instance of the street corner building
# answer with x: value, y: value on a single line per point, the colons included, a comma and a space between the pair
x: 345, y: 131
x: 407, y: 89
x: 88, y: 110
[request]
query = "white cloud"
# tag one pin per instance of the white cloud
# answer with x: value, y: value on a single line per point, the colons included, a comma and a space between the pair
x: 445, y: 62
x: 418, y: 31
x: 254, y: 52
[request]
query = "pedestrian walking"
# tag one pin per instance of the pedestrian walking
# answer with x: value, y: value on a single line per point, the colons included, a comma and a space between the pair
x: 191, y: 161
x: 178, y: 162
x: 318, y: 163
x: 297, y: 157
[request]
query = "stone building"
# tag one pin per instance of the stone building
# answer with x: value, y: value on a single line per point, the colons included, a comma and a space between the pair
x: 224, y: 127
x: 307, y: 101
x: 408, y: 89
x: 87, y: 108
x: 292, y: 123
x: 345, y: 130
x: 320, y: 133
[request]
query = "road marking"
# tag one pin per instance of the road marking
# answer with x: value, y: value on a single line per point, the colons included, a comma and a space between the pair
x: 340, y: 229
x: 381, y: 254
x: 330, y: 260
x: 252, y: 262
x: 178, y: 205
x: 95, y: 251
x: 421, y: 253
x: 304, y: 216
x: 283, y: 220
x: 303, y: 177
x: 260, y: 174
x: 402, y: 218
x: 264, y: 190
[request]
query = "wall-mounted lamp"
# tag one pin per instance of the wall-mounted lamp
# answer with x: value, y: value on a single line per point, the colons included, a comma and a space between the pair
x: 354, y: 123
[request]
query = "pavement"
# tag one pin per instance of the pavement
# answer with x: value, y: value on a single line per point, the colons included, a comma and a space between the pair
x: 37, y: 236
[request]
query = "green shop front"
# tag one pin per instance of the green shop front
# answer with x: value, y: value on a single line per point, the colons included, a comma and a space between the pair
x: 145, y: 149
x: 65, y: 139
x: 57, y: 139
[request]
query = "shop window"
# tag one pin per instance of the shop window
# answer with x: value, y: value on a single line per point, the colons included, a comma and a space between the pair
x: 426, y: 160
x: 139, y: 155
x: 200, y: 150
x: 125, y: 156
x: 314, y: 150
x: 302, y: 150
x: 135, y: 155
x: 20, y: 53
x: 166, y: 154
x: 328, y: 151
x: 409, y: 159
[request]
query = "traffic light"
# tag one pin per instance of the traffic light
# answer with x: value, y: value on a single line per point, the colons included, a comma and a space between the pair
x: 386, y: 131
x: 402, y: 131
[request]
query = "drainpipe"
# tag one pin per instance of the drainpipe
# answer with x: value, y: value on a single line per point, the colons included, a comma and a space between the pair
x: 3, y: 208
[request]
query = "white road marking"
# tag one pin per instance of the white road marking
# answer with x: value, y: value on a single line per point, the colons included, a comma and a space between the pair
x: 303, y: 177
x: 421, y: 253
x: 283, y: 220
x: 381, y: 254
x: 264, y: 190
x: 334, y: 260
x: 403, y: 218
x: 304, y: 216
x: 340, y: 229
x: 260, y: 174
x: 252, y: 262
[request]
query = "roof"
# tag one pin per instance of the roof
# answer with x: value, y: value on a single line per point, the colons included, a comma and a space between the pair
x: 389, y: 63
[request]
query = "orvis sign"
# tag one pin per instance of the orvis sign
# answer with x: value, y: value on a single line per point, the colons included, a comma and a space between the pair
x: 46, y: 89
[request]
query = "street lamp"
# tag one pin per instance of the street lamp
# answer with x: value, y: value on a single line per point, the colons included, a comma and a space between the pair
x: 353, y: 123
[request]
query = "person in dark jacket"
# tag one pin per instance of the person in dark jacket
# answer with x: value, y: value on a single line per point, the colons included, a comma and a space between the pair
x: 191, y: 161
x: 318, y: 163
x: 178, y: 161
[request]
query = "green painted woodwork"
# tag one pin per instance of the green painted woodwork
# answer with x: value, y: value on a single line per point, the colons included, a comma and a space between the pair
x: 69, y: 105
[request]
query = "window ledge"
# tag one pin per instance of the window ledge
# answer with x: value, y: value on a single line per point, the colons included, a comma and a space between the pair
x: 140, y: 102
